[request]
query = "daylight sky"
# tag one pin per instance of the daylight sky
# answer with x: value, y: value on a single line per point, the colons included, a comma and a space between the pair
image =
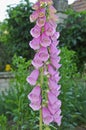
x: 4, y: 3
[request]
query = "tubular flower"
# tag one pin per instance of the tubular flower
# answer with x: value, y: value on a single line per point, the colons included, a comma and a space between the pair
x: 35, y: 98
x: 46, y: 62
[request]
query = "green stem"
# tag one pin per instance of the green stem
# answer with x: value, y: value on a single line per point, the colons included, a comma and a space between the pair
x: 40, y: 119
x: 40, y: 122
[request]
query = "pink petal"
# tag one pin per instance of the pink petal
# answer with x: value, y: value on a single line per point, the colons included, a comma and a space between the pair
x: 42, y: 12
x: 33, y: 77
x: 52, y: 98
x: 56, y: 92
x: 35, y: 106
x: 52, y: 9
x: 43, y: 54
x: 53, y: 23
x: 47, y: 117
x: 55, y: 107
x: 55, y: 62
x: 51, y: 70
x: 45, y: 40
x: 52, y: 84
x: 35, y: 31
x: 34, y: 44
x: 36, y: 62
x: 34, y: 16
x: 35, y: 93
x: 55, y: 36
x: 55, y: 43
x: 41, y: 21
x: 49, y: 29
x: 54, y: 51
x: 36, y: 6
x: 56, y: 77
x: 58, y: 119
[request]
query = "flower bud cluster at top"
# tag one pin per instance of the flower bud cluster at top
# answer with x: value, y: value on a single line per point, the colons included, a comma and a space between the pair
x: 45, y: 42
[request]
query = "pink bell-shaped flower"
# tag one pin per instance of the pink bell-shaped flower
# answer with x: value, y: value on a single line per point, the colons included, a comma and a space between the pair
x: 47, y: 117
x: 33, y: 77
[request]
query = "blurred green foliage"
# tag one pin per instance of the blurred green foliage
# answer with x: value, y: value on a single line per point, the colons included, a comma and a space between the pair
x: 15, y: 33
x: 14, y: 104
x: 73, y: 35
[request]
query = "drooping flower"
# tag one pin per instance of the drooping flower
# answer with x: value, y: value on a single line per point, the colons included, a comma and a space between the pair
x: 36, y: 6
x: 58, y: 117
x: 51, y: 70
x: 52, y: 9
x: 37, y: 62
x: 35, y: 31
x: 52, y: 84
x: 41, y: 21
x: 47, y: 117
x: 55, y: 62
x: 34, y: 16
x: 43, y: 54
x: 33, y: 77
x: 49, y: 29
x: 53, y: 99
x: 55, y: 107
x: 42, y: 12
x: 35, y: 106
x: 55, y: 36
x: 45, y: 41
x: 35, y: 97
x: 35, y: 43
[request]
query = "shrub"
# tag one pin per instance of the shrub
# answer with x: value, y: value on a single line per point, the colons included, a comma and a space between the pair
x: 73, y: 35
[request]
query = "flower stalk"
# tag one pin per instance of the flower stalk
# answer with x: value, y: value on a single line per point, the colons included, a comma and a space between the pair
x: 44, y: 97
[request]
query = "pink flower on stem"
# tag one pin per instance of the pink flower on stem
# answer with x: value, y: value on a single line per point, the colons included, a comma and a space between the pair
x: 37, y: 62
x: 45, y: 40
x: 55, y: 36
x: 47, y: 117
x: 55, y: 107
x: 53, y: 99
x: 54, y: 51
x: 55, y: 62
x: 35, y: 43
x: 36, y: 6
x: 41, y: 21
x: 34, y: 16
x: 34, y: 95
x: 35, y: 105
x: 46, y: 59
x: 53, y: 23
x: 42, y: 12
x: 52, y: 9
x: 33, y: 77
x: 35, y: 31
x: 55, y: 43
x: 43, y: 54
x: 51, y: 70
x: 57, y: 118
x: 52, y: 85
x: 49, y: 29
x: 53, y: 17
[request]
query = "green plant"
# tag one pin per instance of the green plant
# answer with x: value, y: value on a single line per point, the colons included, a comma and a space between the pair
x: 3, y: 122
x: 14, y: 101
x: 73, y: 35
x: 15, y: 105
x: 14, y: 37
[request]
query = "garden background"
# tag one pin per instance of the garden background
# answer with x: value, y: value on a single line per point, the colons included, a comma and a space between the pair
x: 15, y: 60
